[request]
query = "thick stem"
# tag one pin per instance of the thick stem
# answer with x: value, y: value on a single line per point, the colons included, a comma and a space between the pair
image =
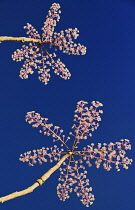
x: 38, y: 182
x: 18, y: 39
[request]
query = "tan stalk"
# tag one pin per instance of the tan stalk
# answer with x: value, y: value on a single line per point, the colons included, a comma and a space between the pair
x: 18, y: 39
x: 38, y: 182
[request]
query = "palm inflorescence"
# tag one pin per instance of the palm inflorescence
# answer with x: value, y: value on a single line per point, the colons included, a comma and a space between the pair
x: 38, y: 57
x: 73, y: 175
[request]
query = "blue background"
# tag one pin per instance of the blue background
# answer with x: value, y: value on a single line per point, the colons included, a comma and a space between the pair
x: 106, y: 74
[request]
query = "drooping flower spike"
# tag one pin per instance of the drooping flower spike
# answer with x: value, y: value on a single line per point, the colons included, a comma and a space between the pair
x: 37, y: 56
x: 73, y: 175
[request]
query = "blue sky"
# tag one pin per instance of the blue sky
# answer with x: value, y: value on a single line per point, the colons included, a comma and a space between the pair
x: 106, y: 74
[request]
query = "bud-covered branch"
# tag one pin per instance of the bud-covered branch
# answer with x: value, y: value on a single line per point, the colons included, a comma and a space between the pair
x: 108, y: 154
x: 47, y: 129
x: 72, y: 174
x: 37, y: 56
x: 86, y: 120
x: 42, y: 155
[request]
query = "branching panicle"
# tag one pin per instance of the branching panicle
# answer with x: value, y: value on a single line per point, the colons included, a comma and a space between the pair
x: 59, y: 69
x: 62, y: 40
x: 83, y: 190
x: 73, y: 175
x: 33, y: 33
x: 47, y: 129
x: 51, y: 19
x: 86, y: 120
x: 42, y: 155
x: 108, y: 154
x: 66, y: 180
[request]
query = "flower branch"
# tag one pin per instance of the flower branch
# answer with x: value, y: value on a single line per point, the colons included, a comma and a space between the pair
x: 36, y: 57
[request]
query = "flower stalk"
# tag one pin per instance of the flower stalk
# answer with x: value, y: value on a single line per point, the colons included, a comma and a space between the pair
x: 37, y: 183
x: 19, y: 39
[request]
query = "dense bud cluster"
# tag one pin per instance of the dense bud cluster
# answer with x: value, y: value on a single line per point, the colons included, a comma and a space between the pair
x: 41, y: 155
x: 31, y: 31
x: 86, y: 120
x: 108, y: 154
x: 72, y: 174
x: 82, y: 189
x: 47, y: 129
x: 60, y: 69
x: 43, y: 60
x: 51, y: 20
x: 66, y: 180
x: 63, y: 39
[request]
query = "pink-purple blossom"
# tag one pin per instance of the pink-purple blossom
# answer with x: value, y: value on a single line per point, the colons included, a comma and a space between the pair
x: 73, y: 175
x: 37, y: 56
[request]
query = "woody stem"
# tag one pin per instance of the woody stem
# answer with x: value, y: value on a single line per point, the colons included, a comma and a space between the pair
x: 37, y: 183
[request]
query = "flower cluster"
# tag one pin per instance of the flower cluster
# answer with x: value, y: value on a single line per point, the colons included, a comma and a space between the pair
x: 53, y: 153
x: 46, y: 128
x: 73, y: 173
x: 63, y: 39
x: 51, y: 20
x: 86, y: 120
x: 112, y: 153
x: 43, y: 60
x: 32, y: 32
